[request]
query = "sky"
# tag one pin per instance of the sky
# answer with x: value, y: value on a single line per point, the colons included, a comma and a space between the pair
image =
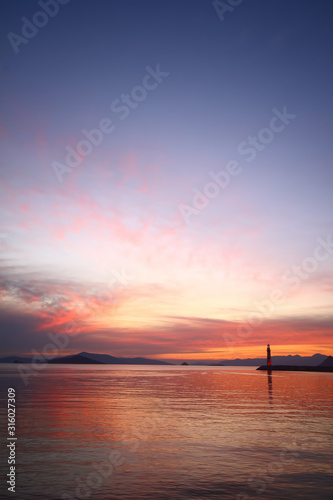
x: 166, y: 178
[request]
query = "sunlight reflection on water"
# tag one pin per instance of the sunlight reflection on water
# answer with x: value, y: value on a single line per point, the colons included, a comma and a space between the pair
x: 175, y: 432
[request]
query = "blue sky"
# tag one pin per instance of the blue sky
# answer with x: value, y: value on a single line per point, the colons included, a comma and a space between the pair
x: 129, y: 206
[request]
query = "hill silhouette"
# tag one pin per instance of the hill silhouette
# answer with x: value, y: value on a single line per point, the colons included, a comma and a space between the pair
x: 88, y: 358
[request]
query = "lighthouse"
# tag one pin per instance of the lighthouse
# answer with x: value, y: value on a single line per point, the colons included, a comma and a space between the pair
x: 269, y: 361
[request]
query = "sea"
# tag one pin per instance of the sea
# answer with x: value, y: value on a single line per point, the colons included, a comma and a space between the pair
x: 127, y: 432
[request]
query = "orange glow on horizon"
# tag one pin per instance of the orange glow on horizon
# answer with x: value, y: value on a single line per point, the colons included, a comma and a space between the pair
x: 214, y: 355
x: 251, y: 352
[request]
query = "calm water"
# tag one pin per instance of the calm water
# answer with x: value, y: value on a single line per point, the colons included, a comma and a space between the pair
x: 126, y: 432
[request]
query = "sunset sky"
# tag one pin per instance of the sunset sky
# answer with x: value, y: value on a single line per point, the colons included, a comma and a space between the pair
x: 197, y: 221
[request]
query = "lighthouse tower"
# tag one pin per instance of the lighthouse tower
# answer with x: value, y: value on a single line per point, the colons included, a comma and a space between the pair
x: 269, y: 360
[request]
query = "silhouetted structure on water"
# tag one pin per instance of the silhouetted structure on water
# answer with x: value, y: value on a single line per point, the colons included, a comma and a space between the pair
x: 269, y: 359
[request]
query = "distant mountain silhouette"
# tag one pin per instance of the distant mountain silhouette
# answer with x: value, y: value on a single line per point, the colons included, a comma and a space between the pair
x: 112, y: 360
x: 76, y: 359
x: 327, y: 362
x: 89, y: 358
x: 325, y: 366
x: 295, y: 360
